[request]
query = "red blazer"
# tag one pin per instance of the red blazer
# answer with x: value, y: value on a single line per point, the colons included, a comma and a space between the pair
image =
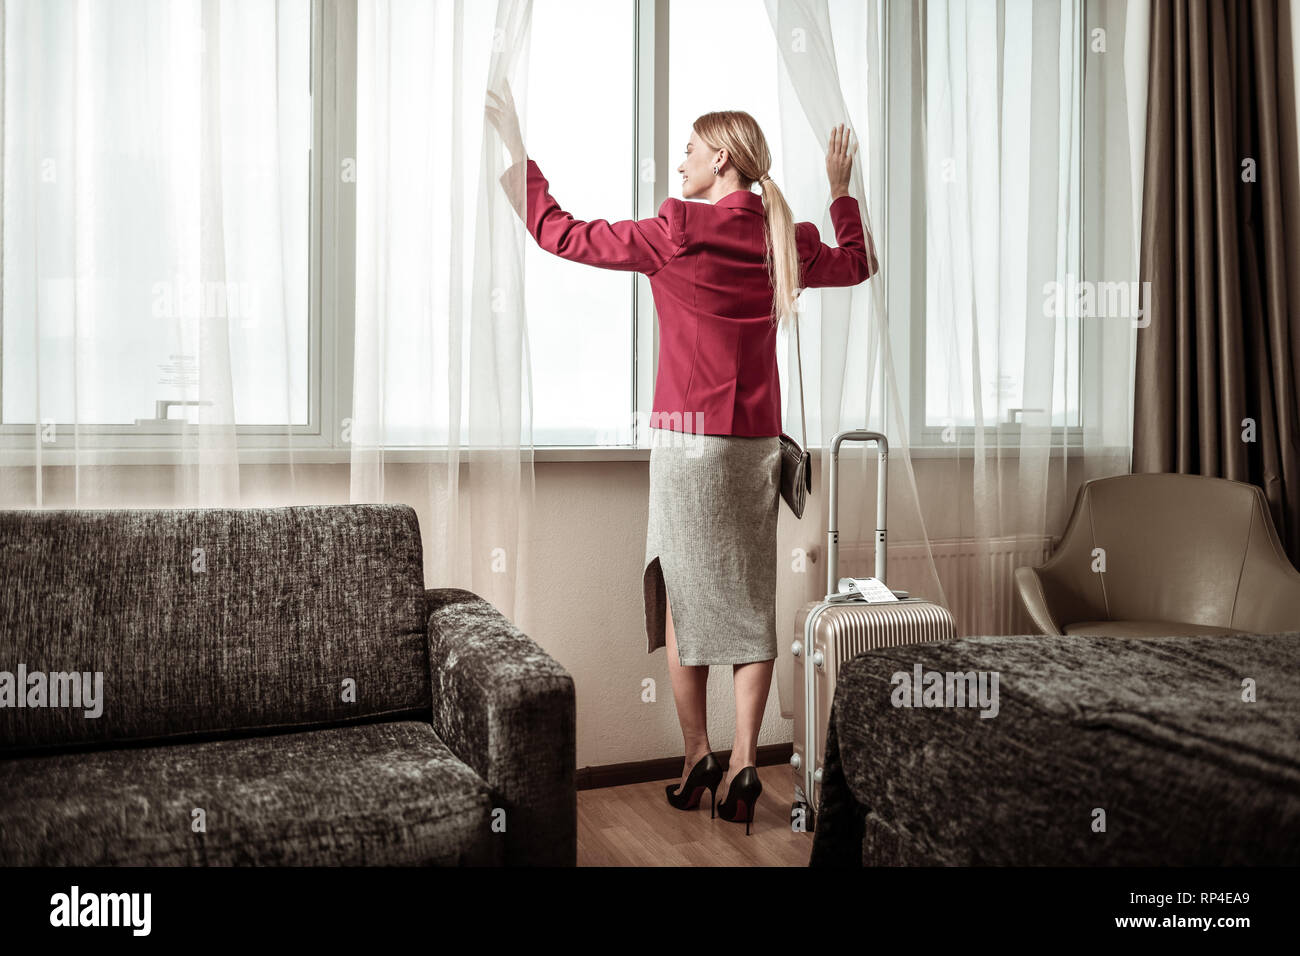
x: 717, y: 344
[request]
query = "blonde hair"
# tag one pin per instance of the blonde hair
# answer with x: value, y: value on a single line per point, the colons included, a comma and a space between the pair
x: 740, y: 135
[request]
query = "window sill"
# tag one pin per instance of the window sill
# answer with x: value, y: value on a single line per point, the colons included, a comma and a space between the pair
x: 144, y: 456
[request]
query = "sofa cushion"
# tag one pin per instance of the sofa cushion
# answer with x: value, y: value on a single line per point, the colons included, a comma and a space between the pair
x: 219, y: 619
x: 1145, y: 629
x: 386, y: 792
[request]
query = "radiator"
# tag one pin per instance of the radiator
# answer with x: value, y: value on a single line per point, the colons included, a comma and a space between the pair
x: 978, y: 583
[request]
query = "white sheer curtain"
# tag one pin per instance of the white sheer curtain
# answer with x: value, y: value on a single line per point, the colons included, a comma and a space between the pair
x: 832, y: 70
x: 155, y: 216
x: 998, y: 411
x: 441, y: 342
x: 158, y: 342
x: 1032, y: 197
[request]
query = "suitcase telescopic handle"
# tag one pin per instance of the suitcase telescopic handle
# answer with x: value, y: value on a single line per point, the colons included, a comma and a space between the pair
x: 833, y: 532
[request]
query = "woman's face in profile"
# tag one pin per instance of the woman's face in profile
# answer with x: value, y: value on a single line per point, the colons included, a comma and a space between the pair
x: 696, y: 169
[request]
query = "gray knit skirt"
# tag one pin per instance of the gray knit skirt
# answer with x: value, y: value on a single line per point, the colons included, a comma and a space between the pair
x: 711, y: 546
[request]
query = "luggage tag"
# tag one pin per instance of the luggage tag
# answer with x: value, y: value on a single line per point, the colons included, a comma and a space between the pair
x: 866, y: 590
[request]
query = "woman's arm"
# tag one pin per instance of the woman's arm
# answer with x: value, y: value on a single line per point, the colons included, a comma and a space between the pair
x: 631, y: 245
x: 854, y: 261
x: 635, y: 245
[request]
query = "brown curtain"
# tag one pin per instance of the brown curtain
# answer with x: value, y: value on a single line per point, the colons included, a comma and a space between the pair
x: 1221, y: 249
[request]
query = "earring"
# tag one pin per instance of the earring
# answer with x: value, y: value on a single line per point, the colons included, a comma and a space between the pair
x: 715, y: 170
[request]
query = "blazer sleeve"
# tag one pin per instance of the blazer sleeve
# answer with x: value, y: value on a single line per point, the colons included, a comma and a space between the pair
x: 852, y: 262
x: 630, y: 245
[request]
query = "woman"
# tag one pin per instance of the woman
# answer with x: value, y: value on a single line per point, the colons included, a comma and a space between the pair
x: 724, y: 274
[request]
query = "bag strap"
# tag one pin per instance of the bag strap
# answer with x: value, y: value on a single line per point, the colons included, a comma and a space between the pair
x: 803, y: 421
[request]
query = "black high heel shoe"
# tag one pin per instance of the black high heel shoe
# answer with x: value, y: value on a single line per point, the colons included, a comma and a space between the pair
x: 741, y: 797
x: 705, y: 775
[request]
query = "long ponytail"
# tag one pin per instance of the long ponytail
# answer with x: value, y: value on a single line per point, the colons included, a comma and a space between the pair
x: 782, y: 258
x: 739, y: 133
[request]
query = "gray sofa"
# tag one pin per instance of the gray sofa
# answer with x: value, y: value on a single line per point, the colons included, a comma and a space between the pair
x: 1153, y: 732
x: 278, y: 687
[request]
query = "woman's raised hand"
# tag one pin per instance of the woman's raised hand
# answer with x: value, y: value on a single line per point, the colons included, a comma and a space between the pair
x: 500, y: 112
x: 839, y: 160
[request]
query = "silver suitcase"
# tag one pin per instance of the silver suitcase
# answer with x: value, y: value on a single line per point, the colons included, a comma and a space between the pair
x: 841, y: 626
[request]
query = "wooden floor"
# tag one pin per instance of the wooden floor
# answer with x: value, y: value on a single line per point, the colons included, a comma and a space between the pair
x: 635, y: 826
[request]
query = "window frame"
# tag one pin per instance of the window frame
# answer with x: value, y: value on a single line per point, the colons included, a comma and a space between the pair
x: 144, y: 444
x: 905, y: 237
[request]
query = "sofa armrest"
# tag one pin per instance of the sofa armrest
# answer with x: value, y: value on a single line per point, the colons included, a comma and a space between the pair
x: 507, y: 709
x: 1029, y: 585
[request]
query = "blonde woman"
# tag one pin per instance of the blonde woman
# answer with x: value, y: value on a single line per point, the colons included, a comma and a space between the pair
x: 725, y: 274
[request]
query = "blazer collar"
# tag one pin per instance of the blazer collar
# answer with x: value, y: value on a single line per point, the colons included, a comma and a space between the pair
x: 742, y: 198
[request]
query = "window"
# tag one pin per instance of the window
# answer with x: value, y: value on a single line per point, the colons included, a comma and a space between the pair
x: 705, y: 74
x: 583, y: 136
x: 102, y: 111
x: 120, y: 134
x: 976, y: 258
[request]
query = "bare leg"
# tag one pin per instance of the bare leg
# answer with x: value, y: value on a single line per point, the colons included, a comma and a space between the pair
x: 752, y: 683
x: 690, y: 691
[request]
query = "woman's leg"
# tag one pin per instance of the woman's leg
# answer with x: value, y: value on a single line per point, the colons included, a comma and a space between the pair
x: 752, y: 683
x: 690, y: 691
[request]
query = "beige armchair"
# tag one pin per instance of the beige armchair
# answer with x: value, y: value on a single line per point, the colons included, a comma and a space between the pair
x: 1182, y: 555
